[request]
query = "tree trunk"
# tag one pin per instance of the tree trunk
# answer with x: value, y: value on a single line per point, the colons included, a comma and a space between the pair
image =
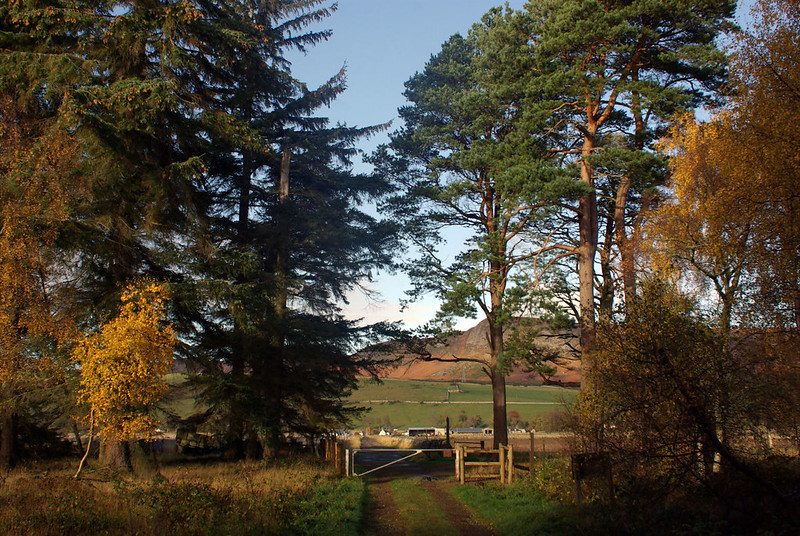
x: 607, y: 281
x: 235, y: 440
x: 8, y: 439
x: 116, y: 454
x: 274, y: 435
x: 77, y: 435
x: 623, y: 243
x: 500, y: 420
x: 587, y: 222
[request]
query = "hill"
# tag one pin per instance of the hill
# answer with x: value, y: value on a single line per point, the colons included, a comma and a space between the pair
x: 440, y: 360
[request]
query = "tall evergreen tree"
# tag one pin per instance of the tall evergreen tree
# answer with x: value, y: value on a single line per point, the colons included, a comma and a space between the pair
x: 287, y: 241
x: 608, y: 75
x: 182, y: 114
x: 466, y: 158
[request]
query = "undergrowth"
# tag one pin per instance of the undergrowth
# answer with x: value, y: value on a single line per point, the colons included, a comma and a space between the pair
x: 299, y: 498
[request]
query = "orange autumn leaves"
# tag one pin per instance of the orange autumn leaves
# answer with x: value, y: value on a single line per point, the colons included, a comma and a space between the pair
x: 733, y: 219
x: 123, y: 364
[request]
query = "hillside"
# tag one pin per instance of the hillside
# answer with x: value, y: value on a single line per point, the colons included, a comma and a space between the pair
x: 404, y: 362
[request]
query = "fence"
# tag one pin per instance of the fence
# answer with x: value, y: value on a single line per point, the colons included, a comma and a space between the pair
x: 334, y: 453
x: 504, y: 466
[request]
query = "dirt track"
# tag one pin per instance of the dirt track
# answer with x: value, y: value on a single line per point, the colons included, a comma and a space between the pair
x: 383, y: 517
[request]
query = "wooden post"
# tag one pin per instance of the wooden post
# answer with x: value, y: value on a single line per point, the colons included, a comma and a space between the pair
x: 502, y: 454
x: 458, y: 462
x: 510, y: 479
x: 463, y: 455
x: 532, y: 456
x: 577, y: 476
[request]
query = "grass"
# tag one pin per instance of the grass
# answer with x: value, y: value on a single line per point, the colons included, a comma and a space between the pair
x: 417, y: 390
x: 412, y: 403
x: 517, y: 509
x: 420, y: 514
x: 407, y: 402
x: 533, y: 505
x: 300, y: 498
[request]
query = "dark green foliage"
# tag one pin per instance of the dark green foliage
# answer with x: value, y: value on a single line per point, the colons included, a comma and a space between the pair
x: 183, y: 115
x: 469, y: 158
x: 604, y: 79
x: 285, y: 240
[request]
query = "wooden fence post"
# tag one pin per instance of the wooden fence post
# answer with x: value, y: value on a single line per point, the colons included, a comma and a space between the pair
x: 463, y: 454
x: 502, y: 455
x: 458, y: 463
x: 338, y: 458
x: 510, y: 479
x: 532, y: 453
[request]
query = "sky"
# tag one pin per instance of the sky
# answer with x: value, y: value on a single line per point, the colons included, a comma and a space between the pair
x: 383, y: 43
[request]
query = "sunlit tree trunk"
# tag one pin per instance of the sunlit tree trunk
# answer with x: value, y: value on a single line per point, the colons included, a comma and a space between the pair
x: 587, y: 249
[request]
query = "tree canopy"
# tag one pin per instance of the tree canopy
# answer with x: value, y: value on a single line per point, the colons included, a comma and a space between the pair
x: 166, y: 136
x: 464, y: 159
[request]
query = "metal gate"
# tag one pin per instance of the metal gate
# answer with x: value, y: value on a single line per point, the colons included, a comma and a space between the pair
x: 350, y: 458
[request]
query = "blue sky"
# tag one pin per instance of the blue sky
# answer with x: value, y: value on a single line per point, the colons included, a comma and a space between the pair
x: 383, y: 43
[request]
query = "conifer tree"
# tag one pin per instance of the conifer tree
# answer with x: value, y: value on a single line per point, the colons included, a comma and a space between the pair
x: 608, y: 76
x: 182, y: 114
x: 286, y: 242
x: 467, y: 158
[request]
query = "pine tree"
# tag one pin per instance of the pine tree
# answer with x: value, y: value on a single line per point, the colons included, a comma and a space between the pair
x: 467, y: 158
x: 607, y: 76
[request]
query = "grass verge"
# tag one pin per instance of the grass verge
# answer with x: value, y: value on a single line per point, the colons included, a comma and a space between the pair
x: 533, y: 505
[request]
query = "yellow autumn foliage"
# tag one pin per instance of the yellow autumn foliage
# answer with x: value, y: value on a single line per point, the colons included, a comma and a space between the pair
x: 733, y: 220
x: 708, y: 222
x: 38, y: 187
x: 122, y: 365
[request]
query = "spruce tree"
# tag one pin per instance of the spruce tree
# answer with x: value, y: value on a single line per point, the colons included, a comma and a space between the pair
x: 287, y: 240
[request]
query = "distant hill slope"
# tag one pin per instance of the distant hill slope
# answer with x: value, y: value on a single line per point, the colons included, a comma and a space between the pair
x: 402, y: 363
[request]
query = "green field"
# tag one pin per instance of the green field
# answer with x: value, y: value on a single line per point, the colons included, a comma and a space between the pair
x: 404, y: 403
